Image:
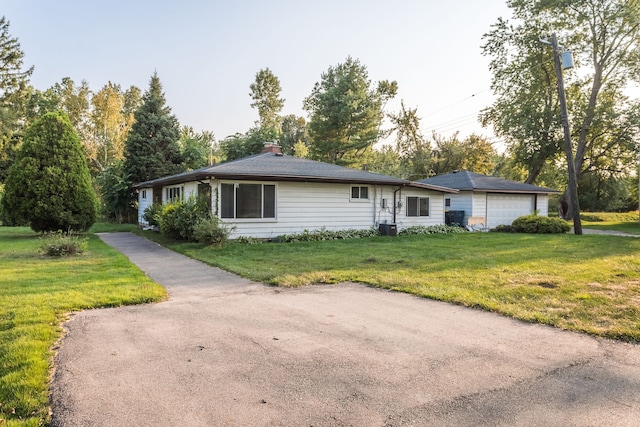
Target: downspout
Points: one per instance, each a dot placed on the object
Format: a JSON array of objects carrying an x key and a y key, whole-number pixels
[
  {"x": 375, "y": 204},
  {"x": 395, "y": 205}
]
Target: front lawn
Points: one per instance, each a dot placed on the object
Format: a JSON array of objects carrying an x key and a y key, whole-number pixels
[
  {"x": 588, "y": 283},
  {"x": 627, "y": 222},
  {"x": 36, "y": 294}
]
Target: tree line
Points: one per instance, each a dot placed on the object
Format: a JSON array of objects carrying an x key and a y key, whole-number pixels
[{"x": 128, "y": 136}]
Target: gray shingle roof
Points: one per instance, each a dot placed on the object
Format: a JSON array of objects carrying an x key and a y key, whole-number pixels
[
  {"x": 278, "y": 167},
  {"x": 469, "y": 181}
]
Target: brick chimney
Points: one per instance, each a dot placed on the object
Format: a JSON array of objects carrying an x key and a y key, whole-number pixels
[{"x": 272, "y": 147}]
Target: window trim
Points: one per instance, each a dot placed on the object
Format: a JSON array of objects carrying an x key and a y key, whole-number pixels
[
  {"x": 407, "y": 214},
  {"x": 359, "y": 199},
  {"x": 234, "y": 202},
  {"x": 144, "y": 194},
  {"x": 171, "y": 196}
]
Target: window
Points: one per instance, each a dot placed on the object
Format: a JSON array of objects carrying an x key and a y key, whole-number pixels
[
  {"x": 447, "y": 202},
  {"x": 247, "y": 201},
  {"x": 204, "y": 193},
  {"x": 417, "y": 206},
  {"x": 358, "y": 192},
  {"x": 144, "y": 194},
  {"x": 173, "y": 194}
]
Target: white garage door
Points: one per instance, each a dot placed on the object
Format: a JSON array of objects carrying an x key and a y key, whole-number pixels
[{"x": 504, "y": 208}]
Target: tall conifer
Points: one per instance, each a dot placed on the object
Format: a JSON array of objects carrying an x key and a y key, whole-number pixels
[{"x": 152, "y": 149}]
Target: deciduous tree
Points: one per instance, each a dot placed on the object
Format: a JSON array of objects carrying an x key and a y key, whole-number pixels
[
  {"x": 265, "y": 92},
  {"x": 242, "y": 145},
  {"x": 295, "y": 133},
  {"x": 198, "y": 148},
  {"x": 413, "y": 149},
  {"x": 605, "y": 38},
  {"x": 473, "y": 153},
  {"x": 111, "y": 121}
]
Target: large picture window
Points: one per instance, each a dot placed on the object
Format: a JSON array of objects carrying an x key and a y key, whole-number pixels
[
  {"x": 417, "y": 206},
  {"x": 247, "y": 201}
]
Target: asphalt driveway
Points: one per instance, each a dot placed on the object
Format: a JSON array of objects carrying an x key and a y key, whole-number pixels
[{"x": 224, "y": 351}]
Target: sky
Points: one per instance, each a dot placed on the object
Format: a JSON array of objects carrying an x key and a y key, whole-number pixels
[{"x": 207, "y": 53}]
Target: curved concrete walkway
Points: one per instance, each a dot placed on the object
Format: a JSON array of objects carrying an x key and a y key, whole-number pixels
[
  {"x": 224, "y": 351},
  {"x": 606, "y": 232}
]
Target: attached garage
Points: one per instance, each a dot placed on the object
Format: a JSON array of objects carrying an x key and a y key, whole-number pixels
[
  {"x": 490, "y": 201},
  {"x": 504, "y": 208}
]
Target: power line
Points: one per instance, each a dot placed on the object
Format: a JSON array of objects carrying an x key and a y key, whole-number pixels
[{"x": 433, "y": 113}]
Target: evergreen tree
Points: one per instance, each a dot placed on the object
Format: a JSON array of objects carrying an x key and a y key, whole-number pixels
[
  {"x": 49, "y": 185},
  {"x": 346, "y": 113},
  {"x": 152, "y": 149},
  {"x": 14, "y": 92}
]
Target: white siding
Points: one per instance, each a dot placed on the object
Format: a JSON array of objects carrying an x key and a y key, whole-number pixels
[
  {"x": 190, "y": 190},
  {"x": 543, "y": 204},
  {"x": 144, "y": 203},
  {"x": 479, "y": 204},
  {"x": 436, "y": 209},
  {"x": 312, "y": 206},
  {"x": 383, "y": 209},
  {"x": 460, "y": 202},
  {"x": 497, "y": 208},
  {"x": 309, "y": 206}
]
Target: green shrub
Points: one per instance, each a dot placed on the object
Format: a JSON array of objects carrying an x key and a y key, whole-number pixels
[
  {"x": 152, "y": 214},
  {"x": 503, "y": 228},
  {"x": 540, "y": 225},
  {"x": 212, "y": 231},
  {"x": 432, "y": 229},
  {"x": 49, "y": 184},
  {"x": 178, "y": 219},
  {"x": 62, "y": 244},
  {"x": 324, "y": 234},
  {"x": 591, "y": 217},
  {"x": 248, "y": 240}
]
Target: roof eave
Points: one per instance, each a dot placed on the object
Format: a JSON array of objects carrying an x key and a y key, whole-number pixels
[
  {"x": 162, "y": 182},
  {"x": 542, "y": 191},
  {"x": 433, "y": 187}
]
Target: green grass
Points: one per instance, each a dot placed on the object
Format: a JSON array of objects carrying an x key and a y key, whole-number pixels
[
  {"x": 582, "y": 283},
  {"x": 588, "y": 283},
  {"x": 36, "y": 294},
  {"x": 627, "y": 222}
]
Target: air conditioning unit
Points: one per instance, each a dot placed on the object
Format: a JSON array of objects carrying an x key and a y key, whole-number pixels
[{"x": 388, "y": 229}]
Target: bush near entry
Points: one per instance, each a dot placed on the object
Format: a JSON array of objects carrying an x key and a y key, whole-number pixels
[{"x": 539, "y": 225}]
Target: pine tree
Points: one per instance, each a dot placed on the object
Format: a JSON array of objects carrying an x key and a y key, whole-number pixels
[
  {"x": 152, "y": 149},
  {"x": 346, "y": 113},
  {"x": 49, "y": 185},
  {"x": 13, "y": 93}
]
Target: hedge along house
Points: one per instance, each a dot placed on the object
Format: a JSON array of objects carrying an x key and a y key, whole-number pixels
[
  {"x": 489, "y": 201},
  {"x": 270, "y": 194}
]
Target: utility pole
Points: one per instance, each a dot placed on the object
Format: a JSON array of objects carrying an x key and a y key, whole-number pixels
[{"x": 573, "y": 184}]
